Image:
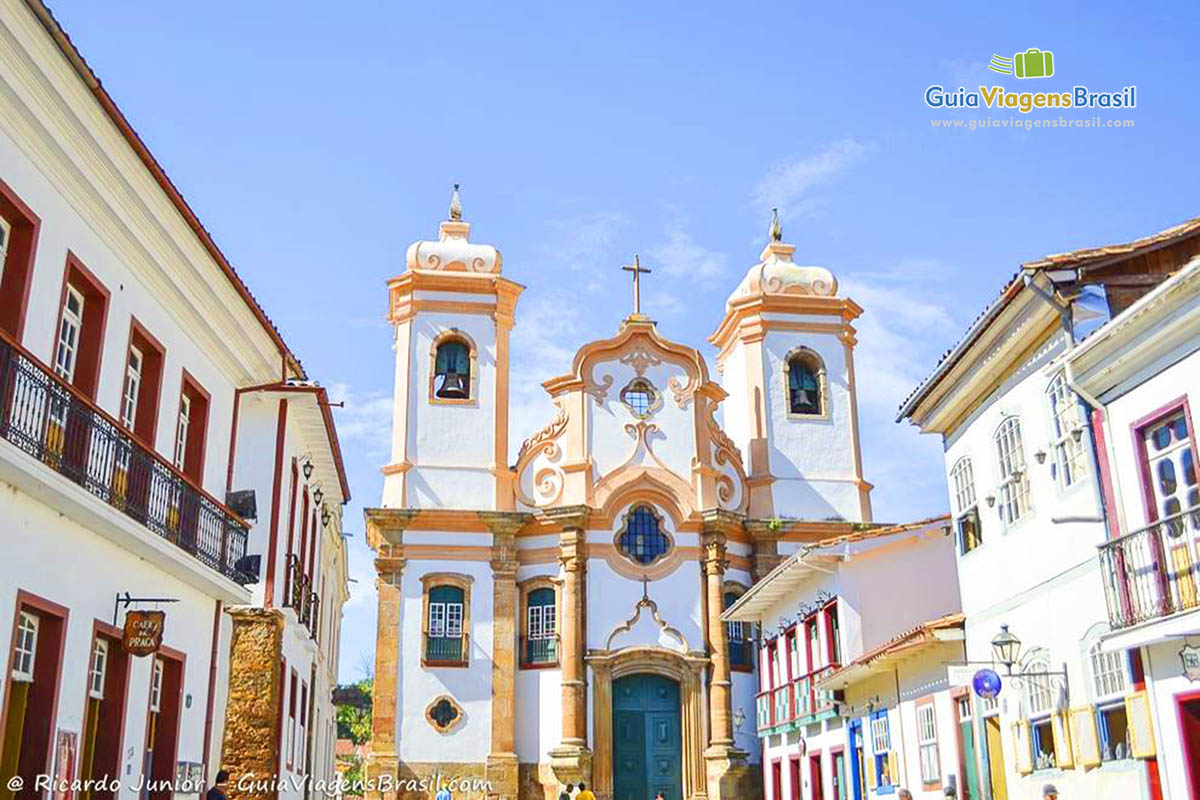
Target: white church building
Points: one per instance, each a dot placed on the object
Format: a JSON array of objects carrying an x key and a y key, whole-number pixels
[{"x": 558, "y": 619}]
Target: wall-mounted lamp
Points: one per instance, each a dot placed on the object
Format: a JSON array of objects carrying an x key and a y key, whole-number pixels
[
  {"x": 990, "y": 500},
  {"x": 1077, "y": 433},
  {"x": 307, "y": 469},
  {"x": 325, "y": 517},
  {"x": 1040, "y": 456},
  {"x": 1006, "y": 648},
  {"x": 318, "y": 496}
]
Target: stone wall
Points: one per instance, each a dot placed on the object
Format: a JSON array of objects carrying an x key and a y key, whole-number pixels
[
  {"x": 420, "y": 780},
  {"x": 251, "y": 744}
]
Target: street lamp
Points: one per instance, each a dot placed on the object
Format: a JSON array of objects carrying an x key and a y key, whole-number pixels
[
  {"x": 739, "y": 717},
  {"x": 1006, "y": 647},
  {"x": 307, "y": 469}
]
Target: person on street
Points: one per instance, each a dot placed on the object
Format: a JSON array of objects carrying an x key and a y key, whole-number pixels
[
  {"x": 217, "y": 791},
  {"x": 585, "y": 793}
]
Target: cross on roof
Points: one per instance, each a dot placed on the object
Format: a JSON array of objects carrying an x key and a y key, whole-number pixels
[{"x": 638, "y": 270}]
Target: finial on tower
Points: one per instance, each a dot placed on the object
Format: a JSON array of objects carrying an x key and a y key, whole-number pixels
[
  {"x": 455, "y": 206},
  {"x": 776, "y": 228}
]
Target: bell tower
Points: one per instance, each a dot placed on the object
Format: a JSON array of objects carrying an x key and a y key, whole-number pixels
[
  {"x": 452, "y": 313},
  {"x": 786, "y": 358}
]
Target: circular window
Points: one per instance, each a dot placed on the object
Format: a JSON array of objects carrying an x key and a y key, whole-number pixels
[
  {"x": 640, "y": 397},
  {"x": 642, "y": 538}
]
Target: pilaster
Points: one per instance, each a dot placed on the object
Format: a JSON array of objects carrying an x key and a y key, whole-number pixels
[
  {"x": 572, "y": 761},
  {"x": 252, "y": 715},
  {"x": 385, "y": 534},
  {"x": 501, "y": 767}
]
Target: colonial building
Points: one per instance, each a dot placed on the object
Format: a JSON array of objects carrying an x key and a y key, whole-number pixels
[
  {"x": 854, "y": 697},
  {"x": 170, "y": 479},
  {"x": 558, "y": 619},
  {"x": 1027, "y": 500},
  {"x": 1141, "y": 375}
]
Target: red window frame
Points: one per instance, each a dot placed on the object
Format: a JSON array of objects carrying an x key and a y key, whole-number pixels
[
  {"x": 197, "y": 432},
  {"x": 17, "y": 277},
  {"x": 291, "y": 731},
  {"x": 1138, "y": 430},
  {"x": 145, "y": 422},
  {"x": 829, "y": 614},
  {"x": 90, "y": 349}
]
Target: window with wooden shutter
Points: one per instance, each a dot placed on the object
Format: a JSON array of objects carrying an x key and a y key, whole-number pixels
[
  {"x": 1085, "y": 737},
  {"x": 1141, "y": 726},
  {"x": 1021, "y": 747}
]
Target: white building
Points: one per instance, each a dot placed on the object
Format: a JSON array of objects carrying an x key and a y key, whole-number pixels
[
  {"x": 144, "y": 395},
  {"x": 1029, "y": 515},
  {"x": 558, "y": 620},
  {"x": 1141, "y": 372},
  {"x": 854, "y": 696}
]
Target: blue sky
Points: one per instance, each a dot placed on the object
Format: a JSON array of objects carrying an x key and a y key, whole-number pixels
[{"x": 317, "y": 140}]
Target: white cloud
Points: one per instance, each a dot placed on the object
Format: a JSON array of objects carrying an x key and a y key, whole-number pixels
[
  {"x": 789, "y": 184},
  {"x": 581, "y": 242},
  {"x": 681, "y": 256},
  {"x": 365, "y": 420},
  {"x": 966, "y": 72}
]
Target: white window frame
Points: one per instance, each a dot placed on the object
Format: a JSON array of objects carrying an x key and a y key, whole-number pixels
[
  {"x": 542, "y": 622},
  {"x": 99, "y": 668},
  {"x": 966, "y": 709},
  {"x": 132, "y": 389},
  {"x": 156, "y": 686},
  {"x": 454, "y": 620},
  {"x": 25, "y": 647},
  {"x": 437, "y": 620},
  {"x": 1109, "y": 674},
  {"x": 881, "y": 735},
  {"x": 1067, "y": 429},
  {"x": 1013, "y": 499},
  {"x": 962, "y": 479},
  {"x": 1037, "y": 690},
  {"x": 66, "y": 350},
  {"x": 927, "y": 743},
  {"x": 181, "y": 430},
  {"x": 5, "y": 240}
]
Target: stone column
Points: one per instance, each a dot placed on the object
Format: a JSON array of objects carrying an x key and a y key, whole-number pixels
[
  {"x": 252, "y": 734},
  {"x": 765, "y": 536},
  {"x": 571, "y": 761},
  {"x": 725, "y": 765},
  {"x": 501, "y": 768},
  {"x": 720, "y": 696},
  {"x": 385, "y": 535}
]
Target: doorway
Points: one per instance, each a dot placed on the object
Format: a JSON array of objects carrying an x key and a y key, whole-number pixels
[
  {"x": 647, "y": 740},
  {"x": 995, "y": 757}
]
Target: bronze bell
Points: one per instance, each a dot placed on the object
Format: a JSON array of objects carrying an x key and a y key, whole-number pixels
[{"x": 454, "y": 387}]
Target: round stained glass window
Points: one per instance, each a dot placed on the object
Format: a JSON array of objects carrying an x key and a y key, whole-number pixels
[
  {"x": 640, "y": 397},
  {"x": 642, "y": 538}
]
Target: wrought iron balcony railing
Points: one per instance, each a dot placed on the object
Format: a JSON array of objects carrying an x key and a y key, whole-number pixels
[
  {"x": 52, "y": 421},
  {"x": 1153, "y": 572},
  {"x": 539, "y": 651},
  {"x": 300, "y": 596}
]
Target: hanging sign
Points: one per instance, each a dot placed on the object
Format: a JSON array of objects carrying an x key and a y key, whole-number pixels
[
  {"x": 143, "y": 632},
  {"x": 986, "y": 683},
  {"x": 1190, "y": 656}
]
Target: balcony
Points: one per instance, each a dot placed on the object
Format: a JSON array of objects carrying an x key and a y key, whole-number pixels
[
  {"x": 1154, "y": 572},
  {"x": 540, "y": 651},
  {"x": 51, "y": 421},
  {"x": 300, "y": 597}
]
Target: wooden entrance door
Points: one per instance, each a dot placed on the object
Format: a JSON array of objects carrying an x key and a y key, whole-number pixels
[
  {"x": 995, "y": 754},
  {"x": 647, "y": 740}
]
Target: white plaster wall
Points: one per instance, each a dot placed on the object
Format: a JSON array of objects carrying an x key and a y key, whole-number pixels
[
  {"x": 735, "y": 413},
  {"x": 611, "y": 445},
  {"x": 418, "y": 686},
  {"x": 812, "y": 460},
  {"x": 1055, "y": 619},
  {"x": 86, "y": 582},
  {"x": 1001, "y": 566},
  {"x": 1164, "y": 670},
  {"x": 63, "y": 229},
  {"x": 451, "y": 446}
]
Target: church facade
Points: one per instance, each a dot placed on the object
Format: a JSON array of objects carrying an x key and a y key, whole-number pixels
[{"x": 558, "y": 619}]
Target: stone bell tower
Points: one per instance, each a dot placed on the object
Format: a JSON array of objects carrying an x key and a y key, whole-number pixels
[
  {"x": 452, "y": 312},
  {"x": 786, "y": 357}
]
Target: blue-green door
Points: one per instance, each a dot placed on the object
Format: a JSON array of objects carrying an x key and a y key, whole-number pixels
[{"x": 647, "y": 744}]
